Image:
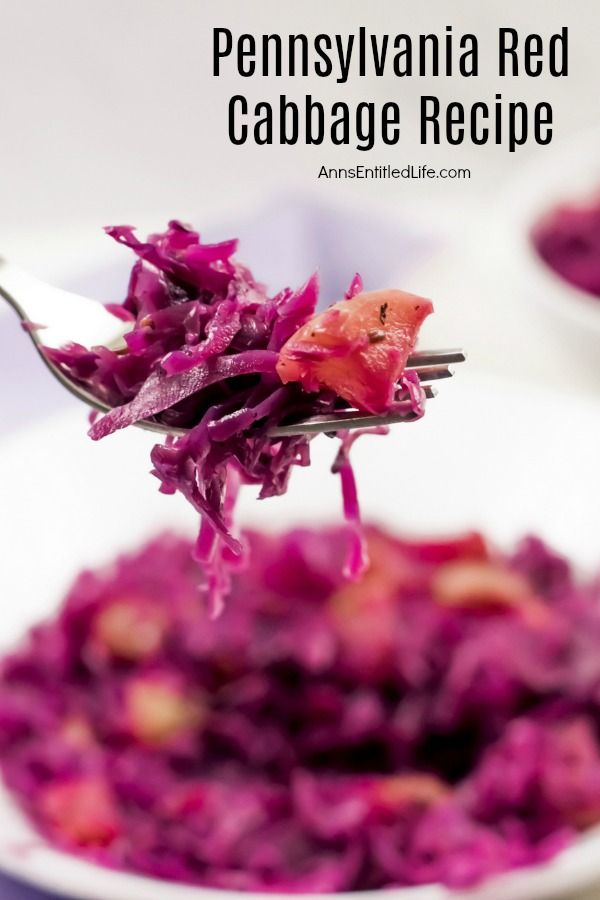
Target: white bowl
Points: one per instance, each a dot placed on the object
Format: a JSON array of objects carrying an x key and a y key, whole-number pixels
[
  {"x": 482, "y": 457},
  {"x": 571, "y": 172}
]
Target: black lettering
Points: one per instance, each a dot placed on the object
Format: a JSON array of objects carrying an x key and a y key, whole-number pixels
[
  {"x": 430, "y": 111},
  {"x": 509, "y": 39},
  {"x": 366, "y": 138},
  {"x": 340, "y": 127},
  {"x": 243, "y": 110},
  {"x": 286, "y": 107},
  {"x": 246, "y": 47},
  {"x": 559, "y": 41},
  {"x": 469, "y": 58},
  {"x": 303, "y": 41},
  {"x": 361, "y": 51},
  {"x": 263, "y": 128},
  {"x": 403, "y": 57},
  {"x": 379, "y": 57},
  {"x": 542, "y": 120},
  {"x": 479, "y": 135},
  {"x": 218, "y": 53},
  {"x": 498, "y": 118},
  {"x": 344, "y": 61},
  {"x": 313, "y": 106},
  {"x": 390, "y": 123},
  {"x": 448, "y": 49},
  {"x": 326, "y": 67},
  {"x": 274, "y": 39},
  {"x": 517, "y": 125},
  {"x": 455, "y": 116},
  {"x": 533, "y": 51},
  {"x": 424, "y": 41}
]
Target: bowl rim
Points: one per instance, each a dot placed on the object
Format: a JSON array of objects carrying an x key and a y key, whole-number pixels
[{"x": 29, "y": 857}]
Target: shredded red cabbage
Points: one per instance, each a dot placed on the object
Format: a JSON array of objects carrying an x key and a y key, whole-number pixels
[
  {"x": 437, "y": 721},
  {"x": 201, "y": 355}
]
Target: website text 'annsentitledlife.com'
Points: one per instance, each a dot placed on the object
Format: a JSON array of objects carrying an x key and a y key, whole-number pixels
[{"x": 381, "y": 172}]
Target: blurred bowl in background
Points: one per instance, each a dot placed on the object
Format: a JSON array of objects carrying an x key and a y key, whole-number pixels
[{"x": 571, "y": 174}]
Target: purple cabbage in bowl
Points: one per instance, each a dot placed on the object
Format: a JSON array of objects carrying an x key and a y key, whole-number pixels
[
  {"x": 568, "y": 240},
  {"x": 436, "y": 721}
]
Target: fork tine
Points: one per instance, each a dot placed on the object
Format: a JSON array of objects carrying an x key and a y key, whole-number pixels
[
  {"x": 345, "y": 419},
  {"x": 433, "y": 373},
  {"x": 435, "y": 358}
]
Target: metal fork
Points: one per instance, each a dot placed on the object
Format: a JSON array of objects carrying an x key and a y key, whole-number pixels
[{"x": 69, "y": 318}]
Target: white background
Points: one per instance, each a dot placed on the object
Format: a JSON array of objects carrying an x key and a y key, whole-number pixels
[
  {"x": 109, "y": 109},
  {"x": 109, "y": 113}
]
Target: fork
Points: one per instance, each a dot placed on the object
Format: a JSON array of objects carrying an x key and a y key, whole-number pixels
[{"x": 84, "y": 321}]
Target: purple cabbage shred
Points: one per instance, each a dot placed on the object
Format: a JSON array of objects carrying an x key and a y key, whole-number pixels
[{"x": 201, "y": 356}]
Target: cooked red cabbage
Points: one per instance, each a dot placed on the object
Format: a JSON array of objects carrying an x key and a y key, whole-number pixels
[
  {"x": 437, "y": 721},
  {"x": 568, "y": 239},
  {"x": 203, "y": 353}
]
